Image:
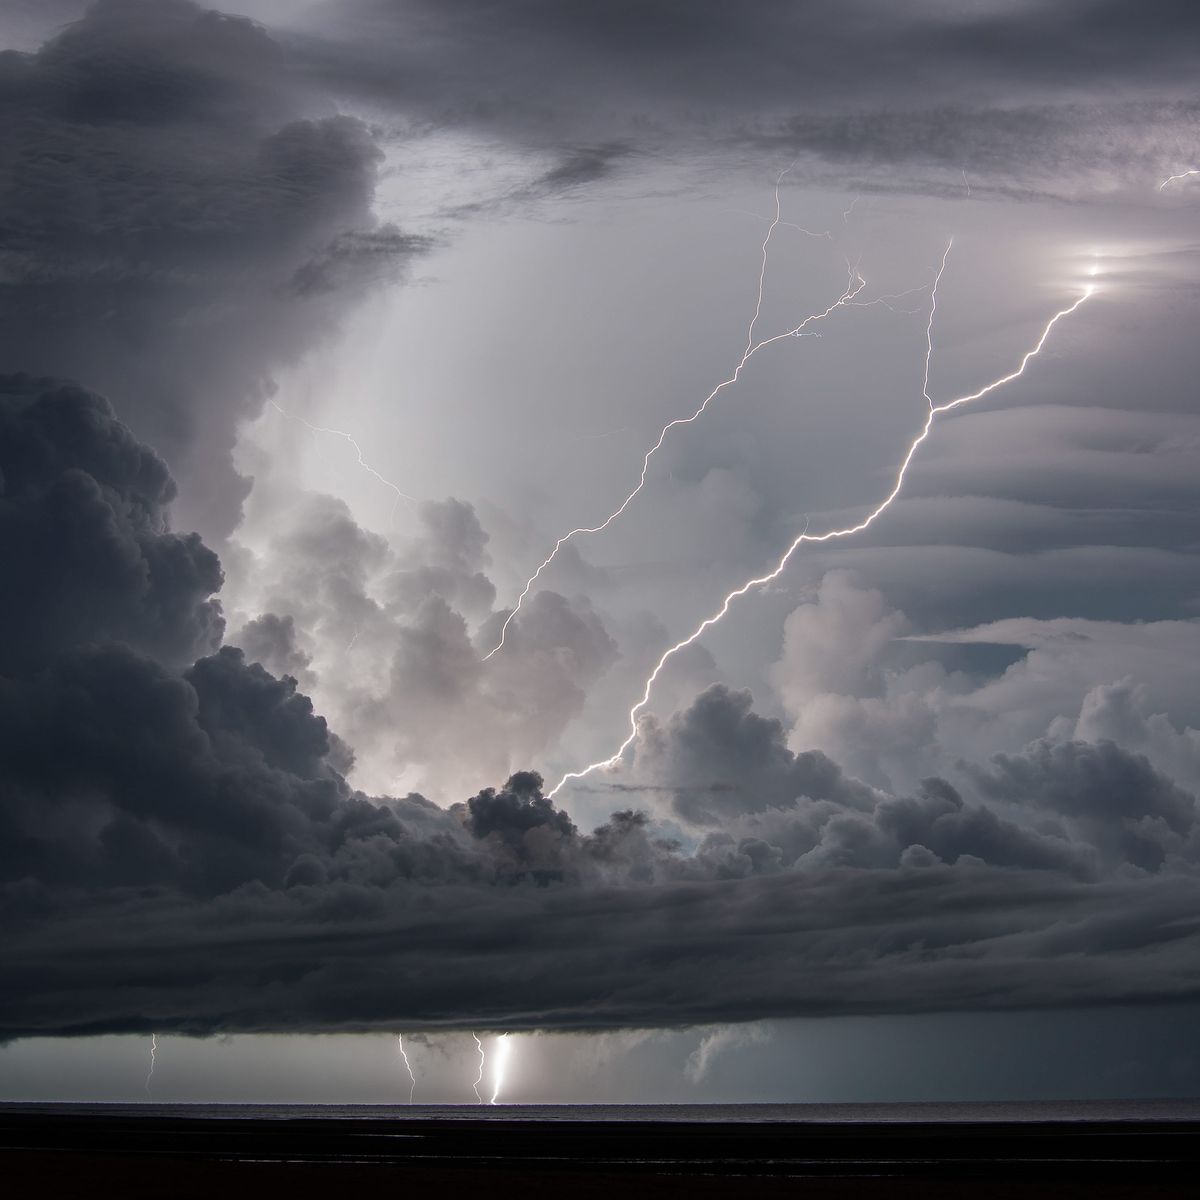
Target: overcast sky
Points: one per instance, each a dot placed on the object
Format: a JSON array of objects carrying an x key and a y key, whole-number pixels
[{"x": 322, "y": 323}]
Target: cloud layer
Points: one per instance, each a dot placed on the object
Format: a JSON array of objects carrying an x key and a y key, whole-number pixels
[
  {"x": 181, "y": 852},
  {"x": 924, "y": 803}
]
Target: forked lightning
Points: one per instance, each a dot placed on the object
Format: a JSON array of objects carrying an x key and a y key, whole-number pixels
[
  {"x": 854, "y": 286},
  {"x": 935, "y": 410}
]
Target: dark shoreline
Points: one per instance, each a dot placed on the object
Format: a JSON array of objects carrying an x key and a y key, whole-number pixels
[{"x": 65, "y": 1150}]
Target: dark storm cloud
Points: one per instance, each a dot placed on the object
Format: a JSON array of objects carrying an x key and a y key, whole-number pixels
[
  {"x": 720, "y": 738},
  {"x": 174, "y": 216},
  {"x": 853, "y": 83},
  {"x": 709, "y": 51},
  {"x": 326, "y": 956},
  {"x": 1125, "y": 806},
  {"x": 87, "y": 549},
  {"x": 179, "y": 847},
  {"x": 179, "y": 850},
  {"x": 585, "y": 164}
]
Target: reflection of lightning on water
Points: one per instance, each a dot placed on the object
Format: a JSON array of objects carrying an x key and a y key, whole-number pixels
[
  {"x": 362, "y": 462},
  {"x": 499, "y": 1061},
  {"x": 1176, "y": 178},
  {"x": 934, "y": 411},
  {"x": 854, "y": 286},
  {"x": 153, "y": 1051},
  {"x": 482, "y": 1061},
  {"x": 407, "y": 1066}
]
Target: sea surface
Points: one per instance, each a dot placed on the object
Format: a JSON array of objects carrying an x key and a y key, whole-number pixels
[
  {"x": 891, "y": 1113},
  {"x": 1079, "y": 1150}
]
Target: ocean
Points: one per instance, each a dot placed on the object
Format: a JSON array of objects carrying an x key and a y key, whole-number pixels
[
  {"x": 1020, "y": 1111},
  {"x": 1115, "y": 1150}
]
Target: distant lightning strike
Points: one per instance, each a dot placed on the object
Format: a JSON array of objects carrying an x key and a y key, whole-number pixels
[
  {"x": 362, "y": 462},
  {"x": 153, "y": 1052},
  {"x": 499, "y": 1064},
  {"x": 854, "y": 286},
  {"x": 935, "y": 410},
  {"x": 482, "y": 1064},
  {"x": 1176, "y": 178},
  {"x": 412, "y": 1091}
]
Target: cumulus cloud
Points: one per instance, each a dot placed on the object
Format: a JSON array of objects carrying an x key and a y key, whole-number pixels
[
  {"x": 393, "y": 636},
  {"x": 85, "y": 537},
  {"x": 901, "y": 705},
  {"x": 182, "y": 852}
]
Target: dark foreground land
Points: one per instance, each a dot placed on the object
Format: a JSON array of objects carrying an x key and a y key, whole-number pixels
[{"x": 74, "y": 1152}]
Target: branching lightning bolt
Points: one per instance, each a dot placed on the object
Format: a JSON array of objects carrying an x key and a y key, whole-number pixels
[
  {"x": 854, "y": 286},
  {"x": 935, "y": 410},
  {"x": 407, "y": 1066},
  {"x": 153, "y": 1052},
  {"x": 362, "y": 462},
  {"x": 1176, "y": 178},
  {"x": 482, "y": 1063}
]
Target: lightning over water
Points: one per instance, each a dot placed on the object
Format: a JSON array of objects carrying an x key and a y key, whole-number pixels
[
  {"x": 935, "y": 410},
  {"x": 153, "y": 1052},
  {"x": 407, "y": 1066},
  {"x": 482, "y": 1064},
  {"x": 502, "y": 1050}
]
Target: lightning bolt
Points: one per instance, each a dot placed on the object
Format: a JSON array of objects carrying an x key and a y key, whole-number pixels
[
  {"x": 482, "y": 1061},
  {"x": 854, "y": 286},
  {"x": 937, "y": 279},
  {"x": 1176, "y": 178},
  {"x": 362, "y": 462},
  {"x": 812, "y": 233},
  {"x": 407, "y": 1066},
  {"x": 153, "y": 1051},
  {"x": 499, "y": 1062},
  {"x": 935, "y": 410}
]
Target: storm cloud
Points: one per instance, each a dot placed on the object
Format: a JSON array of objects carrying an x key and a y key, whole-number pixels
[
  {"x": 259, "y": 772},
  {"x": 178, "y": 220},
  {"x": 182, "y": 854}
]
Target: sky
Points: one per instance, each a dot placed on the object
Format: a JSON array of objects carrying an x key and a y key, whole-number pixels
[{"x": 663, "y": 531}]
